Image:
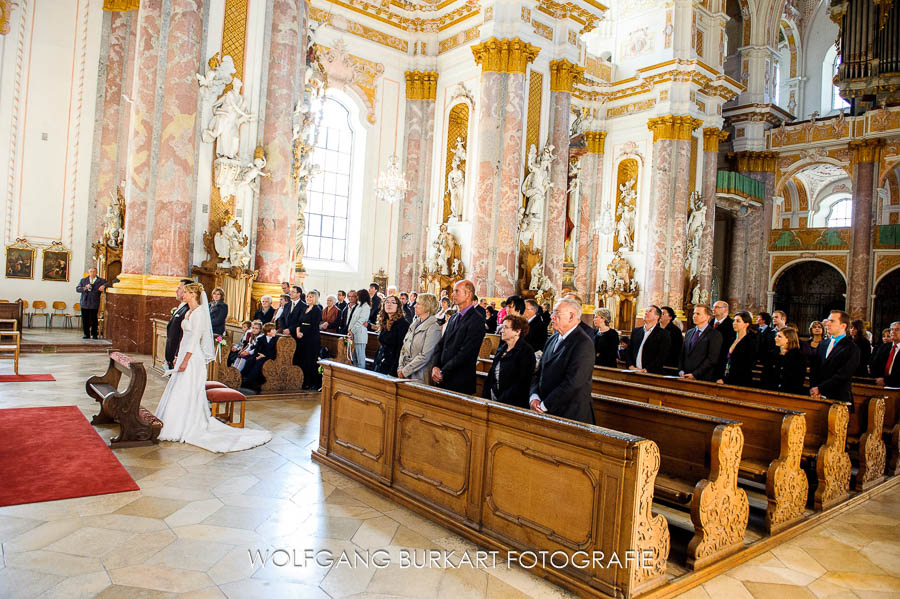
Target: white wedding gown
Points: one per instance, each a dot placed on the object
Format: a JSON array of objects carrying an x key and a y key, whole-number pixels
[{"x": 183, "y": 408}]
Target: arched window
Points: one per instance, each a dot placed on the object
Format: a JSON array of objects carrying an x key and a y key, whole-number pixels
[
  {"x": 840, "y": 213},
  {"x": 329, "y": 192},
  {"x": 831, "y": 97}
]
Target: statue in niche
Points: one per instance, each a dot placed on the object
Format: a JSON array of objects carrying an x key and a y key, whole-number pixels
[
  {"x": 456, "y": 180},
  {"x": 695, "y": 224},
  {"x": 229, "y": 113},
  {"x": 536, "y": 185},
  {"x": 231, "y": 246},
  {"x": 443, "y": 252},
  {"x": 577, "y": 127},
  {"x": 114, "y": 220},
  {"x": 573, "y": 194},
  {"x": 217, "y": 77},
  {"x": 625, "y": 215},
  {"x": 620, "y": 274}
]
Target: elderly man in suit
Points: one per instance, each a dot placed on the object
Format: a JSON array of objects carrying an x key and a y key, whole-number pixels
[
  {"x": 173, "y": 329},
  {"x": 701, "y": 348},
  {"x": 725, "y": 325},
  {"x": 90, "y": 288},
  {"x": 562, "y": 383},
  {"x": 457, "y": 351},
  {"x": 649, "y": 344},
  {"x": 884, "y": 363},
  {"x": 835, "y": 361}
]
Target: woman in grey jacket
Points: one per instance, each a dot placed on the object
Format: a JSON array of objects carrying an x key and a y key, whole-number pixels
[
  {"x": 421, "y": 340},
  {"x": 356, "y": 327}
]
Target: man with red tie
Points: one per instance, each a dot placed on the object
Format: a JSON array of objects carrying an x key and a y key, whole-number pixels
[{"x": 884, "y": 364}]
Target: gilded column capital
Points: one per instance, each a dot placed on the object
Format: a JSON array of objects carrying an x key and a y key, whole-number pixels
[
  {"x": 866, "y": 150},
  {"x": 711, "y": 138},
  {"x": 595, "y": 140},
  {"x": 563, "y": 75},
  {"x": 421, "y": 85},
  {"x": 504, "y": 56},
  {"x": 674, "y": 127},
  {"x": 755, "y": 162},
  {"x": 121, "y": 5}
]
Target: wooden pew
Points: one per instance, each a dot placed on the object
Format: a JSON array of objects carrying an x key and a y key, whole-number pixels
[
  {"x": 489, "y": 345},
  {"x": 137, "y": 426},
  {"x": 282, "y": 376},
  {"x": 493, "y": 474},
  {"x": 699, "y": 460},
  {"x": 891, "y": 432},
  {"x": 826, "y": 426},
  {"x": 773, "y": 442}
]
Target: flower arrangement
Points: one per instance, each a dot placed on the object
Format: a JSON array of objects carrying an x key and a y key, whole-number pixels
[
  {"x": 173, "y": 311},
  {"x": 220, "y": 340}
]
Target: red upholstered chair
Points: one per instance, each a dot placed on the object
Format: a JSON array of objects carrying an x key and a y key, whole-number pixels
[{"x": 223, "y": 397}]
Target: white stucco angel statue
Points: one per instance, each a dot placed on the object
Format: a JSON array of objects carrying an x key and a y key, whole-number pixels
[
  {"x": 695, "y": 224},
  {"x": 625, "y": 214},
  {"x": 537, "y": 184},
  {"x": 229, "y": 113},
  {"x": 216, "y": 78}
]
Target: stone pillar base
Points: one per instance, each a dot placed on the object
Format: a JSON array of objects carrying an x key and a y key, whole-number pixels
[{"x": 128, "y": 317}]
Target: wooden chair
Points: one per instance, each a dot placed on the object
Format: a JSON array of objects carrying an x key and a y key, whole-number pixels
[
  {"x": 59, "y": 309},
  {"x": 26, "y": 315},
  {"x": 75, "y": 313},
  {"x": 10, "y": 342},
  {"x": 40, "y": 309}
]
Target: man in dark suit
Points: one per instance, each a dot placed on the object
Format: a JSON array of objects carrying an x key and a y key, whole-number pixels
[
  {"x": 90, "y": 288},
  {"x": 291, "y": 318},
  {"x": 457, "y": 351},
  {"x": 884, "y": 363},
  {"x": 341, "y": 299},
  {"x": 408, "y": 312},
  {"x": 676, "y": 337},
  {"x": 376, "y": 306},
  {"x": 725, "y": 325},
  {"x": 835, "y": 362},
  {"x": 585, "y": 327},
  {"x": 649, "y": 344},
  {"x": 701, "y": 348},
  {"x": 562, "y": 383},
  {"x": 173, "y": 329},
  {"x": 537, "y": 332}
]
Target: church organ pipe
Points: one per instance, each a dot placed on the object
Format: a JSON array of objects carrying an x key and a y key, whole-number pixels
[{"x": 870, "y": 51}]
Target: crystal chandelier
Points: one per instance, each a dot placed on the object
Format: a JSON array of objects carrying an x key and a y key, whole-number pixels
[{"x": 391, "y": 185}]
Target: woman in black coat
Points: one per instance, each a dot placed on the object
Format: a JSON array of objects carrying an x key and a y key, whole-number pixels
[
  {"x": 741, "y": 354},
  {"x": 309, "y": 342},
  {"x": 218, "y": 311},
  {"x": 858, "y": 333},
  {"x": 266, "y": 312},
  {"x": 790, "y": 363},
  {"x": 606, "y": 340},
  {"x": 392, "y": 328},
  {"x": 509, "y": 380}
]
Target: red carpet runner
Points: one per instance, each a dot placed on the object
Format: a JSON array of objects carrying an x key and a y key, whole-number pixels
[
  {"x": 54, "y": 453},
  {"x": 25, "y": 378}
]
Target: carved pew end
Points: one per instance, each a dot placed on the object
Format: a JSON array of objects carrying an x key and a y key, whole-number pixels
[{"x": 137, "y": 426}]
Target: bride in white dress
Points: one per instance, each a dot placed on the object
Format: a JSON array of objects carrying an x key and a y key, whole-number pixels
[{"x": 183, "y": 408}]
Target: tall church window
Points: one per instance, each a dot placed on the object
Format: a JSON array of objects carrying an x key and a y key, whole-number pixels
[
  {"x": 831, "y": 97},
  {"x": 840, "y": 213},
  {"x": 328, "y": 204}
]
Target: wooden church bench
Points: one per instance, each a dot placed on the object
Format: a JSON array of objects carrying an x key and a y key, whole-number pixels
[
  {"x": 824, "y": 453},
  {"x": 699, "y": 460},
  {"x": 137, "y": 425},
  {"x": 891, "y": 426},
  {"x": 773, "y": 442},
  {"x": 505, "y": 478},
  {"x": 282, "y": 376}
]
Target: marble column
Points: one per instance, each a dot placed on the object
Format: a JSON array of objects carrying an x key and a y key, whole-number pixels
[
  {"x": 176, "y": 166},
  {"x": 759, "y": 166},
  {"x": 866, "y": 156},
  {"x": 588, "y": 239},
  {"x": 711, "y": 139},
  {"x": 110, "y": 153},
  {"x": 563, "y": 75},
  {"x": 666, "y": 276},
  {"x": 736, "y": 293},
  {"x": 500, "y": 127},
  {"x": 421, "y": 91},
  {"x": 277, "y": 210}
]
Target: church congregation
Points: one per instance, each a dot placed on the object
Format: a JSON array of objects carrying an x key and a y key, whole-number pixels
[{"x": 605, "y": 293}]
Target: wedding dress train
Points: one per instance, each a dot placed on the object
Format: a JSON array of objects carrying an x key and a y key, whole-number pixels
[{"x": 183, "y": 408}]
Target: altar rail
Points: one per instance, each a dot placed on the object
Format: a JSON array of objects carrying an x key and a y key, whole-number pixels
[{"x": 505, "y": 478}]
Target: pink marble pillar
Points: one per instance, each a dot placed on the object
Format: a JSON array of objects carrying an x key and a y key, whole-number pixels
[
  {"x": 710, "y": 166},
  {"x": 277, "y": 212},
  {"x": 419, "y": 138},
  {"x": 737, "y": 264},
  {"x": 661, "y": 185},
  {"x": 506, "y": 238},
  {"x": 176, "y": 177},
  {"x": 588, "y": 238},
  {"x": 756, "y": 247},
  {"x": 555, "y": 224},
  {"x": 135, "y": 254},
  {"x": 677, "y": 276},
  {"x": 118, "y": 40},
  {"x": 860, "y": 275},
  {"x": 487, "y": 182}
]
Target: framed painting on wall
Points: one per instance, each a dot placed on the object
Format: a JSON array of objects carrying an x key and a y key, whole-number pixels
[
  {"x": 55, "y": 262},
  {"x": 20, "y": 260}
]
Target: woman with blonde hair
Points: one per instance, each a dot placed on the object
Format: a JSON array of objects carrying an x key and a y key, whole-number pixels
[
  {"x": 183, "y": 407},
  {"x": 309, "y": 342},
  {"x": 606, "y": 339},
  {"x": 392, "y": 328},
  {"x": 417, "y": 353}
]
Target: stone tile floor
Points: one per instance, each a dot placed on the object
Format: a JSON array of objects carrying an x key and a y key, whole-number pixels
[{"x": 187, "y": 532}]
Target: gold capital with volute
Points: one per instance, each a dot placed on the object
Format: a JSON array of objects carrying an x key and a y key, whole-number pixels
[
  {"x": 563, "y": 75},
  {"x": 673, "y": 127},
  {"x": 594, "y": 141},
  {"x": 711, "y": 138},
  {"x": 421, "y": 85},
  {"x": 504, "y": 56}
]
